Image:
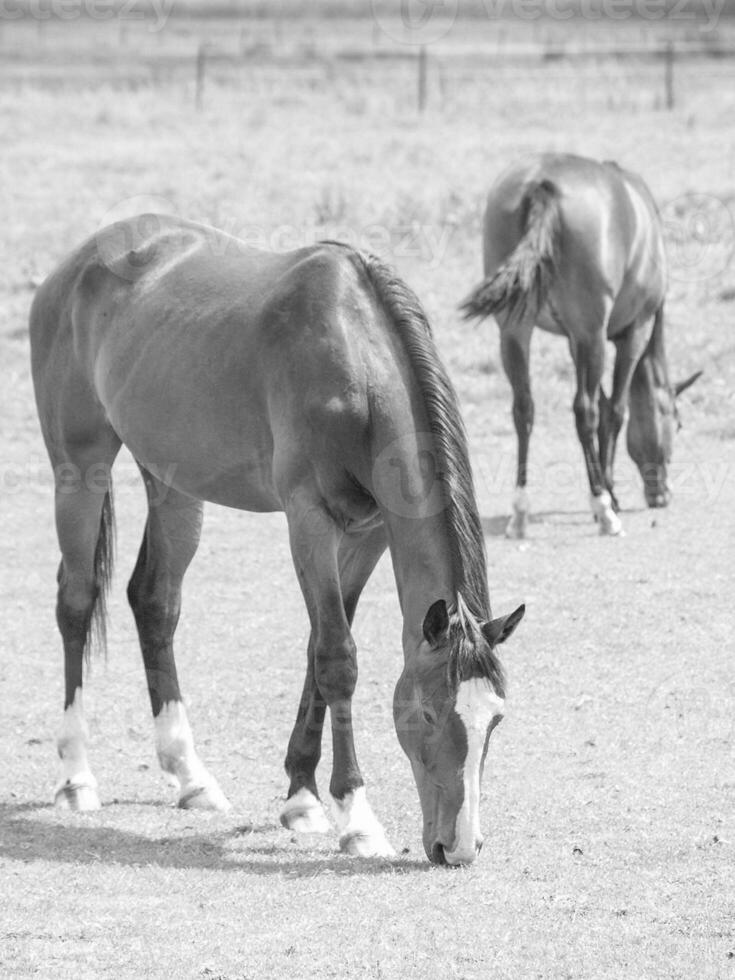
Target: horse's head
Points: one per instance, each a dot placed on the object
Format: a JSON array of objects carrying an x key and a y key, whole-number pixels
[
  {"x": 651, "y": 427},
  {"x": 447, "y": 701}
]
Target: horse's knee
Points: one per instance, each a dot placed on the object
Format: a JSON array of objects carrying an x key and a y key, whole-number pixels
[
  {"x": 615, "y": 418},
  {"x": 152, "y": 606},
  {"x": 336, "y": 671},
  {"x": 75, "y": 602},
  {"x": 586, "y": 416}
]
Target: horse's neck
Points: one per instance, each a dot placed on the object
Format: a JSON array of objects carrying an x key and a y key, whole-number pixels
[{"x": 422, "y": 565}]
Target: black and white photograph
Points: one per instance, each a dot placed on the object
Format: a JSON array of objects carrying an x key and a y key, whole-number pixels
[{"x": 367, "y": 380}]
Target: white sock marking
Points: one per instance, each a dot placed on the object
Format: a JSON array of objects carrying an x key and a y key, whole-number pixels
[
  {"x": 520, "y": 500},
  {"x": 606, "y": 517},
  {"x": 304, "y": 812},
  {"x": 354, "y": 818},
  {"x": 178, "y": 757},
  {"x": 476, "y": 704},
  {"x": 72, "y": 746},
  {"x": 518, "y": 522}
]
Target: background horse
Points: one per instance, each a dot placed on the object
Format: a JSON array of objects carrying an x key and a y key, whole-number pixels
[
  {"x": 306, "y": 382},
  {"x": 575, "y": 247}
]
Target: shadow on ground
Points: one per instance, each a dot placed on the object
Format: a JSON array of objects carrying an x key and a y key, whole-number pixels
[
  {"x": 26, "y": 834},
  {"x": 495, "y": 526}
]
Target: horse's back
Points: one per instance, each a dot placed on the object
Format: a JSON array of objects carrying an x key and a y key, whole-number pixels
[
  {"x": 234, "y": 367},
  {"x": 609, "y": 245}
]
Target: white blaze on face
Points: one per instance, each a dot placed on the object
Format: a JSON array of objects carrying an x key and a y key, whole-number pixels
[{"x": 476, "y": 704}]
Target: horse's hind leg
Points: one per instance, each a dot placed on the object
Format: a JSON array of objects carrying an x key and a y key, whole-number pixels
[
  {"x": 357, "y": 557},
  {"x": 607, "y": 435},
  {"x": 515, "y": 346},
  {"x": 169, "y": 543},
  {"x": 324, "y": 560},
  {"x": 589, "y": 360},
  {"x": 83, "y": 506}
]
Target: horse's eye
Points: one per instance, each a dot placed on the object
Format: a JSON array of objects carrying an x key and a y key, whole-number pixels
[{"x": 428, "y": 717}]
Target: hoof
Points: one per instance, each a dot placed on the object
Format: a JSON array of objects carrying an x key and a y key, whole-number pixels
[
  {"x": 516, "y": 526},
  {"x": 366, "y": 845},
  {"x": 208, "y": 797},
  {"x": 611, "y": 526},
  {"x": 360, "y": 833},
  {"x": 79, "y": 797},
  {"x": 608, "y": 522},
  {"x": 303, "y": 813}
]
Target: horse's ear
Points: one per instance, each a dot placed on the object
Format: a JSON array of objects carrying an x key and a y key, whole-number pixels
[
  {"x": 436, "y": 623},
  {"x": 498, "y": 630},
  {"x": 683, "y": 385}
]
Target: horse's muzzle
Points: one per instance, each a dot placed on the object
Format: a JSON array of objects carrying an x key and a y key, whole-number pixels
[{"x": 454, "y": 859}]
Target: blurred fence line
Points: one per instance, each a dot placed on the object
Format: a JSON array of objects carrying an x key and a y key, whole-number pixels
[{"x": 639, "y": 68}]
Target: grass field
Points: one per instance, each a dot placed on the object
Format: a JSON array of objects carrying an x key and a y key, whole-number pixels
[{"x": 610, "y": 790}]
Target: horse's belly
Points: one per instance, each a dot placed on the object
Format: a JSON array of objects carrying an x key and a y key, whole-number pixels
[
  {"x": 199, "y": 425},
  {"x": 241, "y": 480},
  {"x": 545, "y": 320},
  {"x": 219, "y": 456}
]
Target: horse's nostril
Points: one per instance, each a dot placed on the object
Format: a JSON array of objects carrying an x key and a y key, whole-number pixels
[
  {"x": 437, "y": 854},
  {"x": 479, "y": 845}
]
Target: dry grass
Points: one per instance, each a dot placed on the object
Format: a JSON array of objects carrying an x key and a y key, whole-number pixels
[{"x": 609, "y": 796}]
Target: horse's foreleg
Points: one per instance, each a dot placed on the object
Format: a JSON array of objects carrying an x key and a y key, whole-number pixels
[
  {"x": 332, "y": 569},
  {"x": 515, "y": 344},
  {"x": 169, "y": 543},
  {"x": 589, "y": 361},
  {"x": 303, "y": 811}
]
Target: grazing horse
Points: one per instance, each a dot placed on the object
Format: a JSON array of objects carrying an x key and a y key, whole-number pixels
[
  {"x": 576, "y": 247},
  {"x": 306, "y": 382}
]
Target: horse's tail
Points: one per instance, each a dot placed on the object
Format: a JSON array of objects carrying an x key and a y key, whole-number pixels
[
  {"x": 522, "y": 282},
  {"x": 104, "y": 554}
]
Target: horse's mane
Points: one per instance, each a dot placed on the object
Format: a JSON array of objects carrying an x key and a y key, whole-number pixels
[{"x": 469, "y": 653}]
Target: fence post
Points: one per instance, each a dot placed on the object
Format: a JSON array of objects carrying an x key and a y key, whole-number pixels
[
  {"x": 201, "y": 68},
  {"x": 669, "y": 74},
  {"x": 422, "y": 78}
]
